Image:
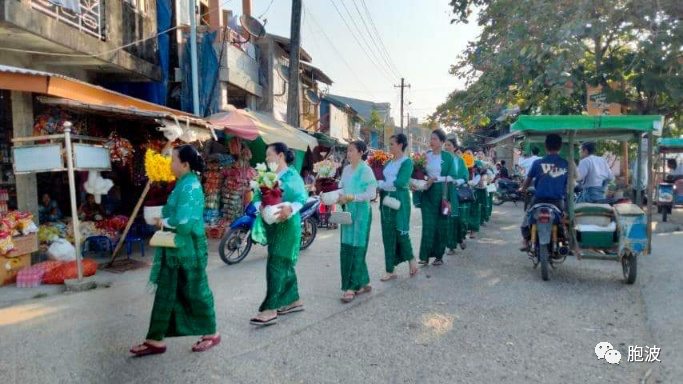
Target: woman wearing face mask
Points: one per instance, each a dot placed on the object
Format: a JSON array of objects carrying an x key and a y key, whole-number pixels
[
  {"x": 283, "y": 238},
  {"x": 439, "y": 196},
  {"x": 183, "y": 303},
  {"x": 457, "y": 226},
  {"x": 358, "y": 188},
  {"x": 396, "y": 223}
]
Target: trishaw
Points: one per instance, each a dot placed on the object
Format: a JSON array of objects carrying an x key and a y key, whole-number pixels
[
  {"x": 593, "y": 231},
  {"x": 670, "y": 189}
]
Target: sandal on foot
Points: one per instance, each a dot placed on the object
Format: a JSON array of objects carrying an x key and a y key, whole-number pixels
[
  {"x": 437, "y": 262},
  {"x": 414, "y": 272},
  {"x": 451, "y": 251},
  {"x": 348, "y": 297},
  {"x": 150, "y": 349},
  {"x": 260, "y": 322},
  {"x": 388, "y": 277},
  {"x": 206, "y": 343},
  {"x": 423, "y": 262},
  {"x": 290, "y": 309},
  {"x": 366, "y": 289},
  {"x": 463, "y": 246}
]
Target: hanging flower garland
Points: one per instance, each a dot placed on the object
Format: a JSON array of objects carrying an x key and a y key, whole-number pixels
[{"x": 120, "y": 149}]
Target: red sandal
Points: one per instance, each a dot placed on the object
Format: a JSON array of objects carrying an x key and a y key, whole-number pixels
[
  {"x": 201, "y": 346},
  {"x": 150, "y": 349}
]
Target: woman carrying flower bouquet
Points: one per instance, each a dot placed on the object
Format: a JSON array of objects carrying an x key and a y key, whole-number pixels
[
  {"x": 437, "y": 202},
  {"x": 283, "y": 238},
  {"x": 474, "y": 218},
  {"x": 396, "y": 223},
  {"x": 358, "y": 188},
  {"x": 457, "y": 226},
  {"x": 183, "y": 302}
]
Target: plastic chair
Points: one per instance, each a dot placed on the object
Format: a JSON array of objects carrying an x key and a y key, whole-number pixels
[
  {"x": 98, "y": 244},
  {"x": 136, "y": 235}
]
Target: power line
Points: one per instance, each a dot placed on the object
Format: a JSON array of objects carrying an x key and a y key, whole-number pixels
[
  {"x": 267, "y": 9},
  {"x": 376, "y": 60},
  {"x": 379, "y": 36},
  {"x": 341, "y": 57},
  {"x": 367, "y": 28},
  {"x": 111, "y": 50}
]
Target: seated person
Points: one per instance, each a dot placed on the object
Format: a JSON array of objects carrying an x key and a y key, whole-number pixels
[
  {"x": 90, "y": 210},
  {"x": 675, "y": 171},
  {"x": 48, "y": 210}
]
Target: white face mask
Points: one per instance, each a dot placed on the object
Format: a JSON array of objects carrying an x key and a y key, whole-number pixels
[{"x": 272, "y": 166}]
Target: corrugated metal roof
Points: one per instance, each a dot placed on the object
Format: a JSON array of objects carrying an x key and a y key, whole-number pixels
[{"x": 26, "y": 71}]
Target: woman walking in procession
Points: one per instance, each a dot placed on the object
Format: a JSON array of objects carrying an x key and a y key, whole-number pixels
[
  {"x": 358, "y": 188},
  {"x": 457, "y": 225},
  {"x": 183, "y": 303},
  {"x": 396, "y": 222},
  {"x": 283, "y": 238},
  {"x": 474, "y": 214},
  {"x": 437, "y": 202}
]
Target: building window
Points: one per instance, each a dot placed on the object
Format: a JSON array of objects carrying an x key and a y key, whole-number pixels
[{"x": 138, "y": 5}]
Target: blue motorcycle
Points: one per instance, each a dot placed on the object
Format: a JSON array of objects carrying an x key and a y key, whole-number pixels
[{"x": 236, "y": 243}]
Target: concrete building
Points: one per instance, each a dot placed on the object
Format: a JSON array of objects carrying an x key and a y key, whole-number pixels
[
  {"x": 364, "y": 108},
  {"x": 339, "y": 120}
]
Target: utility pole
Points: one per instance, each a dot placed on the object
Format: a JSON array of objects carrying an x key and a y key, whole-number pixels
[
  {"x": 402, "y": 86},
  {"x": 295, "y": 46},
  {"x": 193, "y": 57}
]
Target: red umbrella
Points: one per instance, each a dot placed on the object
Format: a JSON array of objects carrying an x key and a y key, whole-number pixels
[{"x": 237, "y": 123}]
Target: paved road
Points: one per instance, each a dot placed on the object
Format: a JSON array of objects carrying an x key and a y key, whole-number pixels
[{"x": 485, "y": 316}]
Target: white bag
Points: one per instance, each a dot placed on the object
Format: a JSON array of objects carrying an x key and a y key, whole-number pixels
[
  {"x": 341, "y": 218},
  {"x": 271, "y": 213},
  {"x": 418, "y": 184},
  {"x": 330, "y": 198},
  {"x": 61, "y": 250},
  {"x": 491, "y": 188},
  {"x": 392, "y": 203}
]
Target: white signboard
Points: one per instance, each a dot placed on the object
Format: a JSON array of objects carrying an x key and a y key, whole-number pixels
[
  {"x": 38, "y": 158},
  {"x": 91, "y": 157}
]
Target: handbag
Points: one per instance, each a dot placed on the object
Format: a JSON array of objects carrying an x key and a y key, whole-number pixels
[
  {"x": 465, "y": 194},
  {"x": 445, "y": 204},
  {"x": 163, "y": 239},
  {"x": 391, "y": 202},
  {"x": 343, "y": 218}
]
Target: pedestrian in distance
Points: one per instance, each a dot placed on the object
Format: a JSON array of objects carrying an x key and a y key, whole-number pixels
[
  {"x": 358, "y": 188},
  {"x": 183, "y": 302},
  {"x": 396, "y": 222},
  {"x": 283, "y": 238},
  {"x": 457, "y": 226}
]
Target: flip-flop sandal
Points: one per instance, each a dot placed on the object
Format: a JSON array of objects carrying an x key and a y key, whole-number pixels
[
  {"x": 366, "y": 289},
  {"x": 150, "y": 349},
  {"x": 292, "y": 309},
  {"x": 451, "y": 251},
  {"x": 423, "y": 262},
  {"x": 263, "y": 323},
  {"x": 348, "y": 297},
  {"x": 437, "y": 262},
  {"x": 387, "y": 278},
  {"x": 200, "y": 347}
]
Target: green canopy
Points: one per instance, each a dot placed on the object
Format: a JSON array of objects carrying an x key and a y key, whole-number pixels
[
  {"x": 587, "y": 127},
  {"x": 670, "y": 144},
  {"x": 327, "y": 141}
]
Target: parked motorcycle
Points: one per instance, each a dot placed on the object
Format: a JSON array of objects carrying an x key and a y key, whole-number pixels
[
  {"x": 507, "y": 190},
  {"x": 236, "y": 243},
  {"x": 548, "y": 245}
]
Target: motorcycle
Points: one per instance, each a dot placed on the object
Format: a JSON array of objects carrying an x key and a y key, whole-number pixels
[
  {"x": 236, "y": 243},
  {"x": 507, "y": 190},
  {"x": 548, "y": 245}
]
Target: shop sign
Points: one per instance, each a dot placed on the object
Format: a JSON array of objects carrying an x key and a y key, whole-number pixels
[
  {"x": 38, "y": 158},
  {"x": 91, "y": 157}
]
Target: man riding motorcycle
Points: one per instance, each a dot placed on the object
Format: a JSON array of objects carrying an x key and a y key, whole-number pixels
[{"x": 550, "y": 176}]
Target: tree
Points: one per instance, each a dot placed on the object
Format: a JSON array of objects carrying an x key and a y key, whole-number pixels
[
  {"x": 541, "y": 55},
  {"x": 375, "y": 123}
]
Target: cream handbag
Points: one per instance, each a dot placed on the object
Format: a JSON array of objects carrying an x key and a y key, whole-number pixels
[
  {"x": 163, "y": 239},
  {"x": 341, "y": 218},
  {"x": 392, "y": 203}
]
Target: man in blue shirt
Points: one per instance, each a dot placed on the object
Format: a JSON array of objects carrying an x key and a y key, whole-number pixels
[{"x": 550, "y": 175}]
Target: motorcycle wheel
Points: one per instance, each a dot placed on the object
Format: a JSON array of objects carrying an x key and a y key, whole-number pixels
[
  {"x": 235, "y": 245},
  {"x": 629, "y": 265},
  {"x": 309, "y": 229},
  {"x": 497, "y": 200},
  {"x": 543, "y": 258}
]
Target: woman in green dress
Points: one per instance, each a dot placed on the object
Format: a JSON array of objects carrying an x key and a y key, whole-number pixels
[
  {"x": 438, "y": 195},
  {"x": 283, "y": 238},
  {"x": 396, "y": 223},
  {"x": 457, "y": 226},
  {"x": 474, "y": 217},
  {"x": 183, "y": 302},
  {"x": 359, "y": 187}
]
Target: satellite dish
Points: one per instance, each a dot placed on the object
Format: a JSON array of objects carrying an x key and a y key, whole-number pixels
[
  {"x": 283, "y": 71},
  {"x": 252, "y": 26},
  {"x": 312, "y": 97}
]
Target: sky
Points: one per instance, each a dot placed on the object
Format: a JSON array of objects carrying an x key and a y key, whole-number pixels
[{"x": 420, "y": 42}]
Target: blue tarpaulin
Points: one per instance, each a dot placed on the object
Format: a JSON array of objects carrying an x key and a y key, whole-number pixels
[{"x": 208, "y": 72}]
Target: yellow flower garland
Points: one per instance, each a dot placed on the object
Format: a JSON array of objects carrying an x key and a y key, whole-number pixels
[{"x": 158, "y": 167}]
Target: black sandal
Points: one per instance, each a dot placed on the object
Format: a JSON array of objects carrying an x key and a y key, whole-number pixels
[
  {"x": 423, "y": 262},
  {"x": 261, "y": 322},
  {"x": 437, "y": 262}
]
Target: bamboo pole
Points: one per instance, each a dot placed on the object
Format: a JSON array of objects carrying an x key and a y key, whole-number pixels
[
  {"x": 650, "y": 187},
  {"x": 570, "y": 197}
]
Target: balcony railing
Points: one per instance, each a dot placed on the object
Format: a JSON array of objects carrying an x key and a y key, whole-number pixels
[{"x": 88, "y": 21}]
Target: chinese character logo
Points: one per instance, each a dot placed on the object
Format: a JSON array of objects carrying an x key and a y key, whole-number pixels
[
  {"x": 605, "y": 350},
  {"x": 648, "y": 355}
]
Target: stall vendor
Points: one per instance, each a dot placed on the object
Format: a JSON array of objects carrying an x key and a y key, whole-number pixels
[
  {"x": 48, "y": 209},
  {"x": 90, "y": 210}
]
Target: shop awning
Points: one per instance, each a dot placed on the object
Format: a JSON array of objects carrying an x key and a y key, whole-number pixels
[
  {"x": 270, "y": 130},
  {"x": 52, "y": 84},
  {"x": 237, "y": 124},
  {"x": 587, "y": 127},
  {"x": 503, "y": 138}
]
